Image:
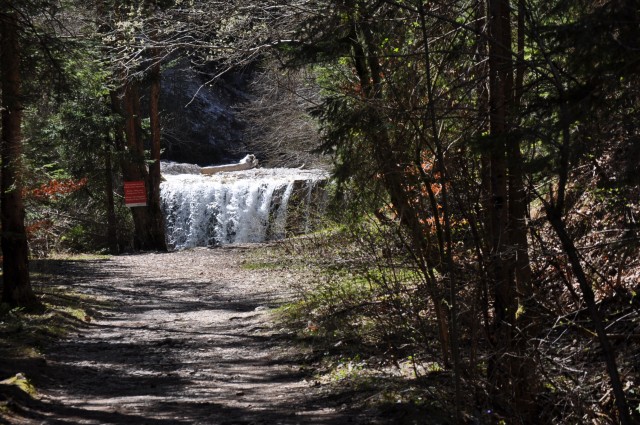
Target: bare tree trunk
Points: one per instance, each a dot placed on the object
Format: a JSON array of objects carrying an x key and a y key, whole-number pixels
[
  {"x": 484, "y": 243},
  {"x": 517, "y": 194},
  {"x": 102, "y": 8},
  {"x": 500, "y": 86},
  {"x": 133, "y": 163},
  {"x": 525, "y": 383},
  {"x": 112, "y": 236},
  {"x": 16, "y": 281},
  {"x": 559, "y": 227},
  {"x": 554, "y": 210},
  {"x": 156, "y": 219},
  {"x": 155, "y": 212},
  {"x": 510, "y": 372},
  {"x": 146, "y": 236}
]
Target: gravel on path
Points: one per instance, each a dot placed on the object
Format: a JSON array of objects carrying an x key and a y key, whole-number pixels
[{"x": 188, "y": 338}]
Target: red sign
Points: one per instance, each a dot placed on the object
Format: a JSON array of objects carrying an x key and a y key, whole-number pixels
[{"x": 135, "y": 194}]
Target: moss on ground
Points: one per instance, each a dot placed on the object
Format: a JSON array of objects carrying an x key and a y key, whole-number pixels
[{"x": 24, "y": 336}]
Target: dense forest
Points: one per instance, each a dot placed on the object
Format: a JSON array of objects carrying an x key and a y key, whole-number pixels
[{"x": 485, "y": 193}]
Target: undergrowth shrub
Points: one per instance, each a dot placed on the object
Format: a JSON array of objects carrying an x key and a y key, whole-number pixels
[{"x": 364, "y": 297}]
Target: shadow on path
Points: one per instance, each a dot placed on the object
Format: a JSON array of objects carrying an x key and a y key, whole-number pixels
[{"x": 180, "y": 338}]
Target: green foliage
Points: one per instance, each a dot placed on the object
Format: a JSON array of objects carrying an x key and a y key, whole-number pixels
[
  {"x": 75, "y": 238},
  {"x": 66, "y": 141},
  {"x": 404, "y": 104},
  {"x": 358, "y": 302},
  {"x": 22, "y": 382}
]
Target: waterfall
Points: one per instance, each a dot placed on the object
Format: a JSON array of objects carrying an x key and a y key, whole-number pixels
[{"x": 234, "y": 207}]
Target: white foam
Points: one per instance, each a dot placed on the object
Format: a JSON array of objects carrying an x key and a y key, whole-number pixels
[{"x": 232, "y": 207}]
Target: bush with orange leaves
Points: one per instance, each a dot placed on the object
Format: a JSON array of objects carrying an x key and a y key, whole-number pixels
[
  {"x": 43, "y": 227},
  {"x": 55, "y": 188}
]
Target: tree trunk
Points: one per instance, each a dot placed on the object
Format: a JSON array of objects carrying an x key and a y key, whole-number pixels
[
  {"x": 112, "y": 236},
  {"x": 484, "y": 243},
  {"x": 155, "y": 212},
  {"x": 517, "y": 194},
  {"x": 146, "y": 236},
  {"x": 554, "y": 217},
  {"x": 500, "y": 86},
  {"x": 554, "y": 210},
  {"x": 16, "y": 282},
  {"x": 510, "y": 373}
]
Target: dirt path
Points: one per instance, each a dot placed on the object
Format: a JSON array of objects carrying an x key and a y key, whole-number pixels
[{"x": 187, "y": 339}]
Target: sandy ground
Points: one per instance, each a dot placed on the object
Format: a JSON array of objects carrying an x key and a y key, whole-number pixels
[{"x": 186, "y": 338}]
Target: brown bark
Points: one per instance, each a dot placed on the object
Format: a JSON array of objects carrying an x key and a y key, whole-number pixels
[
  {"x": 517, "y": 193},
  {"x": 112, "y": 237},
  {"x": 511, "y": 373},
  {"x": 500, "y": 86},
  {"x": 155, "y": 212},
  {"x": 16, "y": 282},
  {"x": 554, "y": 211},
  {"x": 146, "y": 235},
  {"x": 608, "y": 353},
  {"x": 484, "y": 244},
  {"x": 520, "y": 66}
]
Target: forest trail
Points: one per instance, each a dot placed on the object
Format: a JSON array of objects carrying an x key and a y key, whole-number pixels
[{"x": 185, "y": 338}]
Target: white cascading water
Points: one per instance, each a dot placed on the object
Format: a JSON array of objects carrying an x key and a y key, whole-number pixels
[{"x": 231, "y": 207}]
